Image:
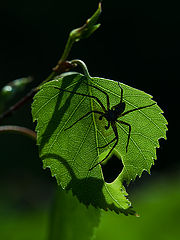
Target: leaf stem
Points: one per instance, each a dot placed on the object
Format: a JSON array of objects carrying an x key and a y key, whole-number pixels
[
  {"x": 77, "y": 34},
  {"x": 67, "y": 48},
  {"x": 82, "y": 65},
  {"x": 62, "y": 66},
  {"x": 20, "y": 130}
]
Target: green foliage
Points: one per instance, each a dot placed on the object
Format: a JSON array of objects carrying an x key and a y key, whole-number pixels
[
  {"x": 88, "y": 28},
  {"x": 70, "y": 154},
  {"x": 158, "y": 204},
  {"x": 157, "y": 201},
  {"x": 12, "y": 89},
  {"x": 80, "y": 33},
  {"x": 71, "y": 220}
]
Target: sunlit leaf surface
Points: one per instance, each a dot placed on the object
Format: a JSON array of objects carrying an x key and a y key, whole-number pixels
[{"x": 71, "y": 153}]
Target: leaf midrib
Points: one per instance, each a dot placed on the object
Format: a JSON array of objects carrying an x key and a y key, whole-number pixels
[{"x": 95, "y": 126}]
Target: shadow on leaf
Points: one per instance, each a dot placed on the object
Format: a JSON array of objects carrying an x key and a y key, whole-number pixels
[
  {"x": 53, "y": 123},
  {"x": 87, "y": 190}
]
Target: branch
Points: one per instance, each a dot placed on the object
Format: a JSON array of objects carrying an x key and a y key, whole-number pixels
[
  {"x": 19, "y": 104},
  {"x": 20, "y": 130},
  {"x": 77, "y": 34},
  {"x": 63, "y": 65}
]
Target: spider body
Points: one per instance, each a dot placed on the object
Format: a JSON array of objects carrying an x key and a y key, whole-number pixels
[
  {"x": 112, "y": 116},
  {"x": 114, "y": 113}
]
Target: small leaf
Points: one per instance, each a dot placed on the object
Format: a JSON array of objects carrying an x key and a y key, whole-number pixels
[
  {"x": 14, "y": 87},
  {"x": 88, "y": 28},
  {"x": 71, "y": 153},
  {"x": 9, "y": 91}
]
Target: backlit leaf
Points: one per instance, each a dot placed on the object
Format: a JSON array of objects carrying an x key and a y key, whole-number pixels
[{"x": 71, "y": 153}]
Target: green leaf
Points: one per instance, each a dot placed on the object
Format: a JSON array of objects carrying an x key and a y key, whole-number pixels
[
  {"x": 70, "y": 154},
  {"x": 88, "y": 28},
  {"x": 71, "y": 220},
  {"x": 12, "y": 89}
]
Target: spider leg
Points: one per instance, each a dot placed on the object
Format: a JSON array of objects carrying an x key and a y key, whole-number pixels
[
  {"x": 108, "y": 143},
  {"x": 122, "y": 104},
  {"x": 114, "y": 127},
  {"x": 127, "y": 124},
  {"x": 86, "y": 95},
  {"x": 82, "y": 118},
  {"x": 135, "y": 109},
  {"x": 107, "y": 96}
]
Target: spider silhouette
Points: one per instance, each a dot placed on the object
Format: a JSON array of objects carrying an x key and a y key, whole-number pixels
[{"x": 111, "y": 114}]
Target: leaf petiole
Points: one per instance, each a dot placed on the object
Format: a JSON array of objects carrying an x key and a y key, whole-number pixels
[{"x": 82, "y": 65}]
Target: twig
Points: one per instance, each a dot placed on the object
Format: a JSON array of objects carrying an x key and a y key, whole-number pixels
[
  {"x": 66, "y": 66},
  {"x": 62, "y": 66},
  {"x": 76, "y": 35},
  {"x": 19, "y": 104},
  {"x": 20, "y": 130}
]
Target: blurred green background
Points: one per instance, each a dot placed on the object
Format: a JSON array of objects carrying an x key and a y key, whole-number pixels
[
  {"x": 156, "y": 201},
  {"x": 138, "y": 44}
]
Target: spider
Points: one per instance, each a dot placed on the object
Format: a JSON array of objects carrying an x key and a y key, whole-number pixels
[{"x": 111, "y": 114}]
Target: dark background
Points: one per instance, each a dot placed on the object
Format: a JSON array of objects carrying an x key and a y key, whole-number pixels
[{"x": 137, "y": 44}]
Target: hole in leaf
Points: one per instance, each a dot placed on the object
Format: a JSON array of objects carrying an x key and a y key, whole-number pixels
[{"x": 112, "y": 168}]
